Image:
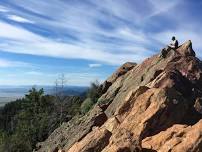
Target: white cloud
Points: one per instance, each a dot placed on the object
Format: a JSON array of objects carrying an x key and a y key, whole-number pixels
[
  {"x": 3, "y": 9},
  {"x": 125, "y": 41},
  {"x": 133, "y": 35},
  {"x": 23, "y": 41},
  {"x": 110, "y": 32},
  {"x": 17, "y": 34},
  {"x": 94, "y": 65},
  {"x": 19, "y": 19},
  {"x": 160, "y": 6},
  {"x": 83, "y": 25},
  {"x": 5, "y": 63},
  {"x": 9, "y": 63},
  {"x": 36, "y": 73}
]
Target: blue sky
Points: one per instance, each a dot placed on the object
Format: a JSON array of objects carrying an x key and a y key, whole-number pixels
[{"x": 88, "y": 39}]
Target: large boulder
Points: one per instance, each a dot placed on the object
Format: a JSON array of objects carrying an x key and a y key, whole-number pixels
[
  {"x": 118, "y": 73},
  {"x": 95, "y": 141},
  {"x": 186, "y": 49},
  {"x": 178, "y": 138}
]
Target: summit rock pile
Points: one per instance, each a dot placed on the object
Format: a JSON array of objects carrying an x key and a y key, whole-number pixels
[{"x": 155, "y": 106}]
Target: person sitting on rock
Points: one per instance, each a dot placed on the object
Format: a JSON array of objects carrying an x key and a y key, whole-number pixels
[{"x": 173, "y": 45}]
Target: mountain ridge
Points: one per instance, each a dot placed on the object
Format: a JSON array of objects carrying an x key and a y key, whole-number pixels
[{"x": 152, "y": 106}]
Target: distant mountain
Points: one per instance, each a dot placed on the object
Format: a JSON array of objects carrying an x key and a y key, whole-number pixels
[{"x": 11, "y": 93}]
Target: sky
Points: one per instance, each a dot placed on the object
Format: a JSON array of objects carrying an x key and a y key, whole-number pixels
[{"x": 87, "y": 40}]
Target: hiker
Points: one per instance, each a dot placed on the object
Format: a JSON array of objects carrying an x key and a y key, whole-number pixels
[{"x": 173, "y": 45}]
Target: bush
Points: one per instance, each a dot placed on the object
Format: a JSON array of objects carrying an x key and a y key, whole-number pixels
[
  {"x": 86, "y": 105},
  {"x": 92, "y": 96},
  {"x": 101, "y": 102},
  {"x": 94, "y": 92}
]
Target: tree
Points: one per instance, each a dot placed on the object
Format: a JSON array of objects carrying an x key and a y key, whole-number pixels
[
  {"x": 34, "y": 97},
  {"x": 60, "y": 93}
]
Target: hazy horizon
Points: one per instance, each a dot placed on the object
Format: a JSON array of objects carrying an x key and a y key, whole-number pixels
[{"x": 11, "y": 93}]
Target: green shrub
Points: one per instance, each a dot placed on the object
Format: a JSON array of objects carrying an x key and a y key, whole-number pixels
[
  {"x": 86, "y": 105},
  {"x": 100, "y": 102},
  {"x": 92, "y": 96},
  {"x": 94, "y": 92}
]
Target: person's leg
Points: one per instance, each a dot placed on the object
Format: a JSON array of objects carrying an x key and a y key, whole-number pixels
[
  {"x": 163, "y": 53},
  {"x": 171, "y": 47},
  {"x": 166, "y": 50}
]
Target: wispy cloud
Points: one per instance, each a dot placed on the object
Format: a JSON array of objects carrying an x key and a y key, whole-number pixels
[
  {"x": 110, "y": 32},
  {"x": 11, "y": 33},
  {"x": 104, "y": 33},
  {"x": 36, "y": 73},
  {"x": 94, "y": 65},
  {"x": 20, "y": 40},
  {"x": 9, "y": 63},
  {"x": 19, "y": 19},
  {"x": 159, "y": 6},
  {"x": 3, "y": 9},
  {"x": 111, "y": 42}
]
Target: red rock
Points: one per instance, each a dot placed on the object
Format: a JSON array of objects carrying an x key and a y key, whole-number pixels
[
  {"x": 153, "y": 106},
  {"x": 178, "y": 138}
]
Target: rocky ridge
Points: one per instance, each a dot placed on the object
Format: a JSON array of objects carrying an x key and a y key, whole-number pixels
[{"x": 149, "y": 107}]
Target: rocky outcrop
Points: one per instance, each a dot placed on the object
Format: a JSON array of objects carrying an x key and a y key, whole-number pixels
[
  {"x": 94, "y": 141},
  {"x": 152, "y": 106},
  {"x": 178, "y": 138},
  {"x": 118, "y": 73},
  {"x": 121, "y": 71},
  {"x": 73, "y": 131},
  {"x": 186, "y": 49}
]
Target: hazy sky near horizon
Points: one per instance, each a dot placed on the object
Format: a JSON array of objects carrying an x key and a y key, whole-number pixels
[{"x": 88, "y": 39}]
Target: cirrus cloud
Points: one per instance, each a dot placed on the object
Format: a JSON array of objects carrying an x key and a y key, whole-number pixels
[
  {"x": 19, "y": 19},
  {"x": 104, "y": 33}
]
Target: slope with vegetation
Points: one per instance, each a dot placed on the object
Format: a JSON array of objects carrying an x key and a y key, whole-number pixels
[{"x": 33, "y": 118}]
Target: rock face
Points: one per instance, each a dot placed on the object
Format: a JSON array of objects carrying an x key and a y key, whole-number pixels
[
  {"x": 149, "y": 107},
  {"x": 73, "y": 131},
  {"x": 94, "y": 141},
  {"x": 176, "y": 138}
]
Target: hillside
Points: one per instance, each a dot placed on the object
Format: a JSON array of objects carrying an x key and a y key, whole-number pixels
[
  {"x": 31, "y": 119},
  {"x": 152, "y": 106}
]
